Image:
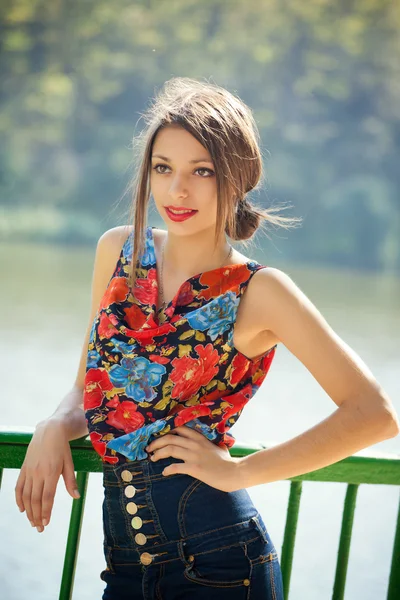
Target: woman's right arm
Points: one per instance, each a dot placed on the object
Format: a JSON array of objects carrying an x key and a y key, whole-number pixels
[{"x": 49, "y": 454}]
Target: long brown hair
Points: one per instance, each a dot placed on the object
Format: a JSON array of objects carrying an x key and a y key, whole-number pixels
[{"x": 225, "y": 126}]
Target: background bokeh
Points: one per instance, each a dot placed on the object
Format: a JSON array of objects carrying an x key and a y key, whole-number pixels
[{"x": 322, "y": 79}]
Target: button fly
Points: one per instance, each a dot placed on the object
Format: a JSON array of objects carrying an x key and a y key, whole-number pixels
[
  {"x": 130, "y": 491},
  {"x": 146, "y": 558},
  {"x": 140, "y": 539},
  {"x": 136, "y": 522},
  {"x": 126, "y": 475},
  {"x": 131, "y": 508}
]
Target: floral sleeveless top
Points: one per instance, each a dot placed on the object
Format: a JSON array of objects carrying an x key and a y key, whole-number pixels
[{"x": 144, "y": 377}]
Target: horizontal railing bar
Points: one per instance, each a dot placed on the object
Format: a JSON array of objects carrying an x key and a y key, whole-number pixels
[{"x": 373, "y": 468}]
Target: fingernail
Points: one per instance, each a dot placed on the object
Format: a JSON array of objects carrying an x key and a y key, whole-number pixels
[
  {"x": 32, "y": 523},
  {"x": 77, "y": 494},
  {"x": 45, "y": 522},
  {"x": 39, "y": 529}
]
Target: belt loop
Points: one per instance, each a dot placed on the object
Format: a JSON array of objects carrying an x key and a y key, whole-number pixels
[{"x": 259, "y": 527}]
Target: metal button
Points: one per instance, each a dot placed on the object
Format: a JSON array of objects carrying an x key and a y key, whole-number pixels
[
  {"x": 130, "y": 491},
  {"x": 131, "y": 508},
  {"x": 146, "y": 558},
  {"x": 140, "y": 539},
  {"x": 136, "y": 521},
  {"x": 191, "y": 558},
  {"x": 126, "y": 475},
  {"x": 246, "y": 581}
]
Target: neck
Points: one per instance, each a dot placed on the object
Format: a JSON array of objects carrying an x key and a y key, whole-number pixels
[{"x": 188, "y": 255}]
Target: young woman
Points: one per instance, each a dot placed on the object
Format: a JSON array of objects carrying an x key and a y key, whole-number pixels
[{"x": 182, "y": 333}]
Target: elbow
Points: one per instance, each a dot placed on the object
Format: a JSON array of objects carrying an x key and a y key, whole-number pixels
[
  {"x": 393, "y": 426},
  {"x": 382, "y": 412},
  {"x": 389, "y": 421}
]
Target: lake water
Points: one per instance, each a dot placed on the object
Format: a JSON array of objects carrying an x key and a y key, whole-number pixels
[{"x": 45, "y": 307}]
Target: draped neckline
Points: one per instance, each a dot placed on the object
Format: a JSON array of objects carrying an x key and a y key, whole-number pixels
[{"x": 169, "y": 308}]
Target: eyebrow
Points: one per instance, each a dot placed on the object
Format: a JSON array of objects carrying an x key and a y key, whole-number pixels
[{"x": 196, "y": 160}]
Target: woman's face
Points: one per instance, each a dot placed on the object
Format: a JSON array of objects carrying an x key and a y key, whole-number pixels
[{"x": 183, "y": 179}]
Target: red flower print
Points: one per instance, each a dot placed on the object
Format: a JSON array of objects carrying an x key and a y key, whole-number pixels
[
  {"x": 238, "y": 368},
  {"x": 114, "y": 402},
  {"x": 96, "y": 384},
  {"x": 117, "y": 291},
  {"x": 125, "y": 417},
  {"x": 227, "y": 441},
  {"x": 186, "y": 294},
  {"x": 111, "y": 459},
  {"x": 231, "y": 279},
  {"x": 135, "y": 317},
  {"x": 145, "y": 337},
  {"x": 99, "y": 446},
  {"x": 146, "y": 288},
  {"x": 191, "y": 412},
  {"x": 161, "y": 360},
  {"x": 190, "y": 374},
  {"x": 238, "y": 400},
  {"x": 261, "y": 367},
  {"x": 105, "y": 327}
]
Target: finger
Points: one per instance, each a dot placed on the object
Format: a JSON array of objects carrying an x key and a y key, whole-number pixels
[
  {"x": 68, "y": 474},
  {"x": 37, "y": 494},
  {"x": 174, "y": 451},
  {"x": 26, "y": 496},
  {"x": 167, "y": 439},
  {"x": 49, "y": 491},
  {"x": 19, "y": 488},
  {"x": 188, "y": 432},
  {"x": 174, "y": 468}
]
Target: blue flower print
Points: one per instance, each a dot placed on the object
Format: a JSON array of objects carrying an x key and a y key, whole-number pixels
[
  {"x": 202, "y": 428},
  {"x": 138, "y": 376},
  {"x": 122, "y": 347},
  {"x": 132, "y": 445},
  {"x": 127, "y": 250},
  {"x": 216, "y": 316},
  {"x": 92, "y": 359},
  {"x": 91, "y": 335},
  {"x": 148, "y": 256}
]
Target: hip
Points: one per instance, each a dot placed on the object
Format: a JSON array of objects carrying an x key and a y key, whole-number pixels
[{"x": 211, "y": 538}]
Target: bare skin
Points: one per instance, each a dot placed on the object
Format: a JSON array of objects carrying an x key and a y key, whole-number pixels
[{"x": 272, "y": 309}]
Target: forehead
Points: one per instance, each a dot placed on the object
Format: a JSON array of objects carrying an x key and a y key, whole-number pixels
[{"x": 177, "y": 143}]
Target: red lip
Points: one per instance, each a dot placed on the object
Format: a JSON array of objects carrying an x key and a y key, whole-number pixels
[
  {"x": 182, "y": 216},
  {"x": 179, "y": 207}
]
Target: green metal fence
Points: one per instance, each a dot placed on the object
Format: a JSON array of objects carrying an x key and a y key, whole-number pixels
[{"x": 352, "y": 471}]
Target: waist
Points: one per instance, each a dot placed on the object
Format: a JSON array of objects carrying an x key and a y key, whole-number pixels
[{"x": 139, "y": 499}]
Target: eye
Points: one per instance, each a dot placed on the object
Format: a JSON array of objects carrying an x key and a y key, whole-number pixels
[
  {"x": 156, "y": 167},
  {"x": 209, "y": 171}
]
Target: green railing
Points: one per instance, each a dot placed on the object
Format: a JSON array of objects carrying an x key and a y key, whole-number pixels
[{"x": 352, "y": 471}]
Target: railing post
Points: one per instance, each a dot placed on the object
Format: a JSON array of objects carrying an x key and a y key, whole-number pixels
[
  {"x": 289, "y": 537},
  {"x": 74, "y": 533},
  {"x": 394, "y": 579}
]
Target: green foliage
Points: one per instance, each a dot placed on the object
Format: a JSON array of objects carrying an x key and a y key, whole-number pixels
[{"x": 321, "y": 78}]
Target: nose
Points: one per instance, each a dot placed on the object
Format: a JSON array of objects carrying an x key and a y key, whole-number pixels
[{"x": 178, "y": 187}]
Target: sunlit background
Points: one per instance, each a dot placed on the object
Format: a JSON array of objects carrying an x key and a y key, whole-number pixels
[{"x": 322, "y": 79}]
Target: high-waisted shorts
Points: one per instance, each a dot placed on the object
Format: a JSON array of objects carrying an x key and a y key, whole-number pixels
[{"x": 173, "y": 537}]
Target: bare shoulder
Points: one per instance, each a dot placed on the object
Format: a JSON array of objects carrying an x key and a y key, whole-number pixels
[
  {"x": 115, "y": 237},
  {"x": 284, "y": 309},
  {"x": 109, "y": 248},
  {"x": 273, "y": 295}
]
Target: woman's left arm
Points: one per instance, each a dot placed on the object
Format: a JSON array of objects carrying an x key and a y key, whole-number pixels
[{"x": 365, "y": 414}]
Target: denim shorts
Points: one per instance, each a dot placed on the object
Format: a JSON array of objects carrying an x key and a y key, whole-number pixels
[{"x": 174, "y": 537}]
